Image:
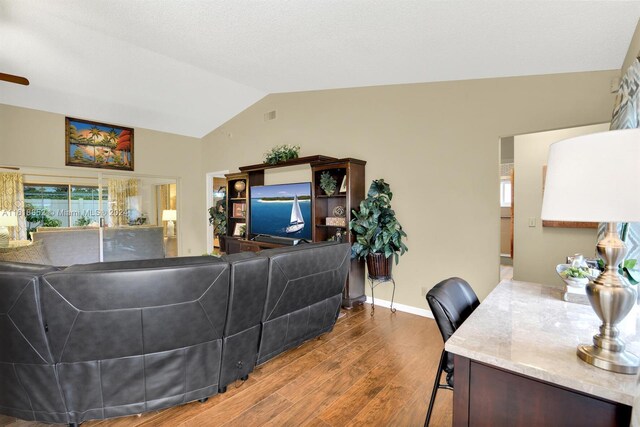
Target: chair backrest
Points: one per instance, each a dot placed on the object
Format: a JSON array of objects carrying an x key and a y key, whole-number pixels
[{"x": 451, "y": 302}]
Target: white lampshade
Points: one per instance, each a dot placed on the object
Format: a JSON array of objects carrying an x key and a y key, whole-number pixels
[
  {"x": 169, "y": 215},
  {"x": 594, "y": 178},
  {"x": 8, "y": 219}
]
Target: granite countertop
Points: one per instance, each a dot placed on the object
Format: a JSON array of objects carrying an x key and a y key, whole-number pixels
[{"x": 527, "y": 328}]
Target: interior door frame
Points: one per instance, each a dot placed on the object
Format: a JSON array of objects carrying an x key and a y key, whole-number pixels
[
  {"x": 209, "y": 197},
  {"x": 105, "y": 175}
]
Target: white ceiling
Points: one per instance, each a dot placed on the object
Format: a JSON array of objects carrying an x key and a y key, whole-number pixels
[{"x": 186, "y": 66}]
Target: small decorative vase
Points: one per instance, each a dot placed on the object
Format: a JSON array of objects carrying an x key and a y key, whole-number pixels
[
  {"x": 379, "y": 267},
  {"x": 329, "y": 193}
]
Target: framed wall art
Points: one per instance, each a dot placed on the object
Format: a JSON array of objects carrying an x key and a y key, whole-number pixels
[{"x": 98, "y": 145}]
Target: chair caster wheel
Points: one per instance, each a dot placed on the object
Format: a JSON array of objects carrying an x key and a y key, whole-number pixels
[
  {"x": 222, "y": 390},
  {"x": 246, "y": 377},
  {"x": 204, "y": 399}
]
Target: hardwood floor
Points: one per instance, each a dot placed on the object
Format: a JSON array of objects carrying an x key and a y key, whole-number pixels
[{"x": 373, "y": 371}]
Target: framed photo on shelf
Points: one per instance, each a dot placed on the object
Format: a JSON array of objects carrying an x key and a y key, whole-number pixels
[
  {"x": 239, "y": 210},
  {"x": 343, "y": 186},
  {"x": 239, "y": 230}
]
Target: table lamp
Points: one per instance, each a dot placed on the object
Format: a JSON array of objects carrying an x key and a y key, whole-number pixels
[
  {"x": 170, "y": 215},
  {"x": 7, "y": 219},
  {"x": 595, "y": 178}
]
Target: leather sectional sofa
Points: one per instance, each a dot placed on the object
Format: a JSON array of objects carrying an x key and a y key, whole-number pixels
[{"x": 104, "y": 340}]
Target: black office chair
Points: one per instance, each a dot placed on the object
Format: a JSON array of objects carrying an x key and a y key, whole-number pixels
[{"x": 451, "y": 302}]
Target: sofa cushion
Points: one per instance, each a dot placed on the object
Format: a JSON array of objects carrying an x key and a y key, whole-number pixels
[
  {"x": 136, "y": 336},
  {"x": 304, "y": 275},
  {"x": 34, "y": 253},
  {"x": 303, "y": 294}
]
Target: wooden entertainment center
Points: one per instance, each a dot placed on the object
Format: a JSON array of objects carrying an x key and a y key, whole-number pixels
[{"x": 349, "y": 174}]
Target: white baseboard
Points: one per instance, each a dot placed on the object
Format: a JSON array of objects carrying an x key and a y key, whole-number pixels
[{"x": 402, "y": 307}]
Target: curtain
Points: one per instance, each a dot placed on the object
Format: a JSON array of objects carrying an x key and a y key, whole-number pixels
[
  {"x": 123, "y": 201},
  {"x": 12, "y": 199},
  {"x": 626, "y": 115}
]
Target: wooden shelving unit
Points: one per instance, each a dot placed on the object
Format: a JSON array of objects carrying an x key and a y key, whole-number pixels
[
  {"x": 349, "y": 170},
  {"x": 261, "y": 167},
  {"x": 237, "y": 204}
]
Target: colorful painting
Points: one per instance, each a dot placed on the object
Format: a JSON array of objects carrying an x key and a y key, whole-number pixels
[{"x": 98, "y": 145}]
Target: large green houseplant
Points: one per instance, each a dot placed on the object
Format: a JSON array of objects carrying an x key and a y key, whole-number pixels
[
  {"x": 218, "y": 218},
  {"x": 377, "y": 232}
]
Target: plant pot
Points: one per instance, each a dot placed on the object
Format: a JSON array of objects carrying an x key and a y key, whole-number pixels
[
  {"x": 222, "y": 243},
  {"x": 573, "y": 282},
  {"x": 329, "y": 193},
  {"x": 379, "y": 267}
]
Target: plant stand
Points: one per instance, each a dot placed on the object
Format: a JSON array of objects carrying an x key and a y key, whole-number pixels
[{"x": 375, "y": 281}]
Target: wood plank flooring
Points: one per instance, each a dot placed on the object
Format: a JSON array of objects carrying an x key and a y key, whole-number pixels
[{"x": 369, "y": 371}]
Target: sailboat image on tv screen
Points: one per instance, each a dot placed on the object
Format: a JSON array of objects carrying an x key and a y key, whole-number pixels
[{"x": 297, "y": 222}]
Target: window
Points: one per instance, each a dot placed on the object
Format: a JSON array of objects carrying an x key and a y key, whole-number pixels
[
  {"x": 85, "y": 205},
  {"x": 61, "y": 205},
  {"x": 505, "y": 192}
]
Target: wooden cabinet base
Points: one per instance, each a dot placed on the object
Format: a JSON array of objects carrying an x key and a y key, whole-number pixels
[
  {"x": 233, "y": 245},
  {"x": 486, "y": 395},
  {"x": 349, "y": 303}
]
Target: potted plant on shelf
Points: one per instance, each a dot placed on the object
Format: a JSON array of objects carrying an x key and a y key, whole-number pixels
[
  {"x": 328, "y": 183},
  {"x": 281, "y": 153},
  {"x": 377, "y": 233},
  {"x": 218, "y": 218}
]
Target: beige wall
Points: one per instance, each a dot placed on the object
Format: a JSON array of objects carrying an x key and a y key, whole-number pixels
[
  {"x": 36, "y": 138},
  {"x": 537, "y": 250},
  {"x": 436, "y": 144}
]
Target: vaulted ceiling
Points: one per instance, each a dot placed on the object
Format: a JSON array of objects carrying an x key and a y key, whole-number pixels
[{"x": 188, "y": 66}]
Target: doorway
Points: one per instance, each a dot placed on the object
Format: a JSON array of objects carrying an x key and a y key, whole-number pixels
[
  {"x": 506, "y": 207},
  {"x": 85, "y": 216},
  {"x": 538, "y": 247},
  {"x": 216, "y": 186}
]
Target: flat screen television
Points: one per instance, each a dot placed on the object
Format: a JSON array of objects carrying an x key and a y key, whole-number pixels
[{"x": 282, "y": 210}]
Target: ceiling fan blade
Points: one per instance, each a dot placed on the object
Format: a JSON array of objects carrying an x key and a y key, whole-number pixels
[{"x": 14, "y": 79}]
